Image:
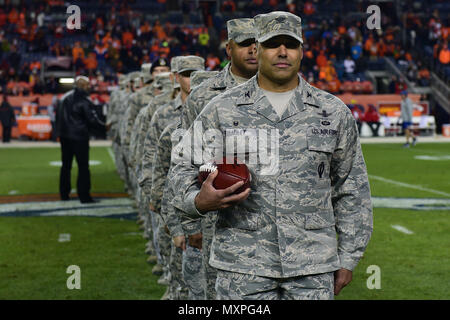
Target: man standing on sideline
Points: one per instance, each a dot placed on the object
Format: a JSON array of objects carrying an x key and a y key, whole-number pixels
[
  {"x": 7, "y": 118},
  {"x": 407, "y": 109},
  {"x": 75, "y": 117},
  {"x": 304, "y": 224}
]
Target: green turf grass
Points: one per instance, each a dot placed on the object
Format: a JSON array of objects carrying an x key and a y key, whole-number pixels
[
  {"x": 393, "y": 162},
  {"x": 112, "y": 260},
  {"x": 109, "y": 252},
  {"x": 413, "y": 266},
  {"x": 28, "y": 171}
]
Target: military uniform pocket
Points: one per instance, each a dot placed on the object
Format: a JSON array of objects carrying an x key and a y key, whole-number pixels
[
  {"x": 319, "y": 220},
  {"x": 322, "y": 140}
]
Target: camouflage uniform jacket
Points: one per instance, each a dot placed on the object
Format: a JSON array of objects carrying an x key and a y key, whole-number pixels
[
  {"x": 317, "y": 190},
  {"x": 160, "y": 191},
  {"x": 138, "y": 100},
  {"x": 160, "y": 119},
  {"x": 137, "y": 153},
  {"x": 111, "y": 118},
  {"x": 195, "y": 103}
]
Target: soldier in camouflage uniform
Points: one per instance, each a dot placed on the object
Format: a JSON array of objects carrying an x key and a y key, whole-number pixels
[
  {"x": 192, "y": 271},
  {"x": 304, "y": 224},
  {"x": 242, "y": 50},
  {"x": 111, "y": 121},
  {"x": 134, "y": 81},
  {"x": 137, "y": 101},
  {"x": 120, "y": 104},
  {"x": 161, "y": 118},
  {"x": 164, "y": 85}
]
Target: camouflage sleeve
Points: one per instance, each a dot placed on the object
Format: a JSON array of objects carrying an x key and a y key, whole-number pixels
[
  {"x": 142, "y": 135},
  {"x": 122, "y": 120},
  {"x": 134, "y": 163},
  {"x": 191, "y": 153},
  {"x": 160, "y": 167},
  {"x": 169, "y": 214},
  {"x": 194, "y": 105},
  {"x": 110, "y": 116},
  {"x": 133, "y": 108},
  {"x": 148, "y": 152},
  {"x": 350, "y": 195}
]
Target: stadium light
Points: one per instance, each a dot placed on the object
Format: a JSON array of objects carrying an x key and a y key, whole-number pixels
[{"x": 66, "y": 80}]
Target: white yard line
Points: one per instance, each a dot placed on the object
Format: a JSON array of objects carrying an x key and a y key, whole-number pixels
[
  {"x": 110, "y": 152},
  {"x": 411, "y": 186},
  {"x": 64, "y": 237},
  {"x": 402, "y": 229}
]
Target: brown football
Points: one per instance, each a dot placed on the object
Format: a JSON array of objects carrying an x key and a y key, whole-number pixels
[{"x": 229, "y": 174}]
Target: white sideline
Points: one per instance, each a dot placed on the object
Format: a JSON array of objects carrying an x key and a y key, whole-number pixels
[
  {"x": 402, "y": 229},
  {"x": 407, "y": 185},
  {"x": 110, "y": 152}
]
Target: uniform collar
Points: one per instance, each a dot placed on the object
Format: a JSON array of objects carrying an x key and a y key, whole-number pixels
[
  {"x": 224, "y": 79},
  {"x": 255, "y": 98},
  {"x": 178, "y": 103}
]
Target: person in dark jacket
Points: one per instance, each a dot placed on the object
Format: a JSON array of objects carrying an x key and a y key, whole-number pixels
[
  {"x": 75, "y": 118},
  {"x": 7, "y": 118}
]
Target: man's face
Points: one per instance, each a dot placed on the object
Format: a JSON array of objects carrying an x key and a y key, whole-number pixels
[
  {"x": 160, "y": 69},
  {"x": 243, "y": 57},
  {"x": 280, "y": 58},
  {"x": 184, "y": 79},
  {"x": 84, "y": 85}
]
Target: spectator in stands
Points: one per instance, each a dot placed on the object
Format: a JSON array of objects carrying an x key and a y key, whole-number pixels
[
  {"x": 91, "y": 63},
  {"x": 444, "y": 54},
  {"x": 349, "y": 66},
  {"x": 400, "y": 86},
  {"x": 78, "y": 56},
  {"x": 228, "y": 6},
  {"x": 322, "y": 60},
  {"x": 309, "y": 8},
  {"x": 407, "y": 109},
  {"x": 393, "y": 84},
  {"x": 357, "y": 114},
  {"x": 372, "y": 118},
  {"x": 356, "y": 51},
  {"x": 7, "y": 118},
  {"x": 423, "y": 76},
  {"x": 212, "y": 62}
]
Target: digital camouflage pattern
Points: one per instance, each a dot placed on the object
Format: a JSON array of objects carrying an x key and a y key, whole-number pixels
[
  {"x": 197, "y": 99},
  {"x": 287, "y": 226},
  {"x": 136, "y": 102},
  {"x": 166, "y": 95},
  {"x": 160, "y": 119},
  {"x": 193, "y": 273},
  {"x": 197, "y": 77},
  {"x": 237, "y": 286},
  {"x": 278, "y": 23},
  {"x": 190, "y": 63},
  {"x": 145, "y": 72},
  {"x": 240, "y": 30}
]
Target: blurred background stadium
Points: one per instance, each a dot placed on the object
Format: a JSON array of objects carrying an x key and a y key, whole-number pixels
[{"x": 367, "y": 69}]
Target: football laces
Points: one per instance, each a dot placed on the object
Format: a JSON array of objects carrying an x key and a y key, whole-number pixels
[{"x": 208, "y": 167}]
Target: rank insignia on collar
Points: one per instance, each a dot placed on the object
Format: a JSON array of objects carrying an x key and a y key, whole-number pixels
[
  {"x": 235, "y": 123},
  {"x": 247, "y": 94},
  {"x": 308, "y": 94}
]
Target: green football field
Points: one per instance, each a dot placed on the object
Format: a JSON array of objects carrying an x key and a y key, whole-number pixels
[{"x": 409, "y": 248}]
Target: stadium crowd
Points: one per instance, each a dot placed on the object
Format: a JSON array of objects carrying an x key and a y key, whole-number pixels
[{"x": 121, "y": 37}]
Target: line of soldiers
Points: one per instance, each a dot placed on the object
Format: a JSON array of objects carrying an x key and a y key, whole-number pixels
[{"x": 143, "y": 117}]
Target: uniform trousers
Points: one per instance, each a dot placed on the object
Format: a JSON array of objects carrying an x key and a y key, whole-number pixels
[
  {"x": 79, "y": 149},
  {"x": 239, "y": 286}
]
